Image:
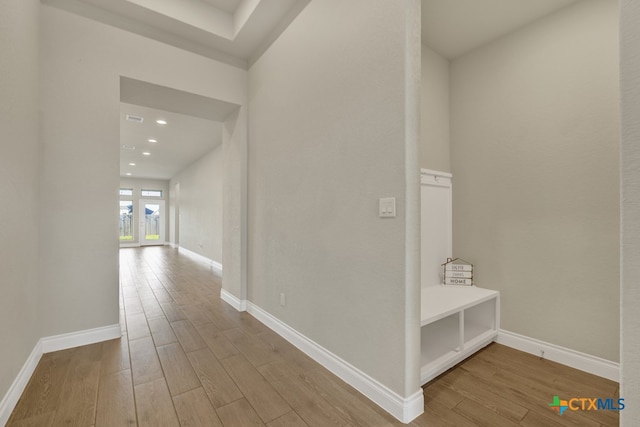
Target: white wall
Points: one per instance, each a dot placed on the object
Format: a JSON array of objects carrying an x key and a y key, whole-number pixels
[
  {"x": 19, "y": 151},
  {"x": 82, "y": 62},
  {"x": 434, "y": 112},
  {"x": 174, "y": 213},
  {"x": 535, "y": 160},
  {"x": 138, "y": 184},
  {"x": 332, "y": 129},
  {"x": 630, "y": 155},
  {"x": 200, "y": 221}
]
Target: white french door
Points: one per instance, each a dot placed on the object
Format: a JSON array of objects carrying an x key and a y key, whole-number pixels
[{"x": 151, "y": 217}]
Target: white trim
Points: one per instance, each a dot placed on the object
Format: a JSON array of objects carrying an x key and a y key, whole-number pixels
[
  {"x": 138, "y": 245},
  {"x": 129, "y": 245},
  {"x": 404, "y": 409},
  {"x": 425, "y": 171},
  {"x": 232, "y": 300},
  {"x": 10, "y": 399},
  {"x": 216, "y": 266},
  {"x": 48, "y": 345},
  {"x": 76, "y": 339},
  {"x": 201, "y": 258},
  {"x": 575, "y": 359}
]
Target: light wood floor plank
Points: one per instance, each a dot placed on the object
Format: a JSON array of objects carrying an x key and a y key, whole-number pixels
[
  {"x": 254, "y": 350},
  {"x": 151, "y": 307},
  {"x": 115, "y": 356},
  {"x": 77, "y": 404},
  {"x": 313, "y": 409},
  {"x": 443, "y": 395},
  {"x": 161, "y": 294},
  {"x": 132, "y": 304},
  {"x": 161, "y": 331},
  {"x": 41, "y": 420},
  {"x": 129, "y": 291},
  {"x": 466, "y": 385},
  {"x": 214, "y": 379},
  {"x": 217, "y": 342},
  {"x": 346, "y": 400},
  {"x": 479, "y": 415},
  {"x": 188, "y": 336},
  {"x": 145, "y": 364},
  {"x": 154, "y": 406},
  {"x": 144, "y": 292},
  {"x": 279, "y": 369},
  {"x": 172, "y": 311},
  {"x": 250, "y": 325},
  {"x": 154, "y": 284},
  {"x": 438, "y": 415},
  {"x": 220, "y": 318},
  {"x": 535, "y": 419},
  {"x": 196, "y": 314},
  {"x": 116, "y": 406},
  {"x": 259, "y": 393},
  {"x": 44, "y": 390},
  {"x": 286, "y": 350},
  {"x": 290, "y": 419},
  {"x": 178, "y": 372},
  {"x": 194, "y": 409},
  {"x": 239, "y": 413},
  {"x": 137, "y": 326}
]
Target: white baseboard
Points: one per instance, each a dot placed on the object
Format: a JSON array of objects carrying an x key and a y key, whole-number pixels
[
  {"x": 48, "y": 345},
  {"x": 575, "y": 359},
  {"x": 138, "y": 245},
  {"x": 10, "y": 399},
  {"x": 233, "y": 301},
  {"x": 404, "y": 409},
  {"x": 76, "y": 339},
  {"x": 213, "y": 264},
  {"x": 129, "y": 245}
]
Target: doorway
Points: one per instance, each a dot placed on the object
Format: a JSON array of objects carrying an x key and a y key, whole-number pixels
[
  {"x": 152, "y": 222},
  {"x": 146, "y": 149}
]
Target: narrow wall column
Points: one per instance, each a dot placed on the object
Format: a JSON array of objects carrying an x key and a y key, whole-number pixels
[
  {"x": 630, "y": 210},
  {"x": 19, "y": 169}
]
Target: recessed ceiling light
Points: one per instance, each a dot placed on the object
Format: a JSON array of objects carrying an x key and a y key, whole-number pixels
[
  {"x": 161, "y": 122},
  {"x": 128, "y": 147},
  {"x": 146, "y": 153},
  {"x": 128, "y": 173},
  {"x": 152, "y": 140},
  {"x": 132, "y": 164}
]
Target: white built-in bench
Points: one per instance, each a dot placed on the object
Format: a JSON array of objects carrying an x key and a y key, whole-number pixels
[{"x": 456, "y": 321}]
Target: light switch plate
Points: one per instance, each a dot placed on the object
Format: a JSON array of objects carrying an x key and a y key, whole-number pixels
[{"x": 387, "y": 207}]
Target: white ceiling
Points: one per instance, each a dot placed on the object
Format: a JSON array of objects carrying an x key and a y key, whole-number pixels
[
  {"x": 228, "y": 6},
  {"x": 163, "y": 98},
  {"x": 182, "y": 141},
  {"x": 455, "y": 27},
  {"x": 194, "y": 128},
  {"x": 238, "y": 32},
  {"x": 233, "y": 31}
]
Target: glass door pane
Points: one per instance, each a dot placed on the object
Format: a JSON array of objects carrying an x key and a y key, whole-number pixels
[
  {"x": 126, "y": 220},
  {"x": 152, "y": 222}
]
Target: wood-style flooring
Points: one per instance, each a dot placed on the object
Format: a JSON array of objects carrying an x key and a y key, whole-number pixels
[{"x": 187, "y": 358}]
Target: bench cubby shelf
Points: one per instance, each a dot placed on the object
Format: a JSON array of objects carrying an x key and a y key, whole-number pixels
[{"x": 456, "y": 321}]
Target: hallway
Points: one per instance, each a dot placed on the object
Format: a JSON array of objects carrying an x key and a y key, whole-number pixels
[{"x": 187, "y": 358}]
